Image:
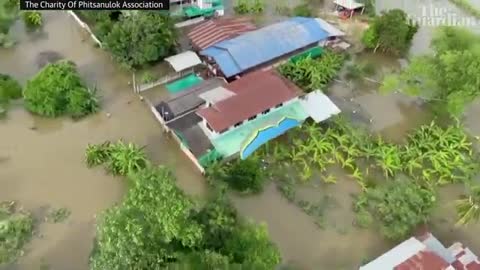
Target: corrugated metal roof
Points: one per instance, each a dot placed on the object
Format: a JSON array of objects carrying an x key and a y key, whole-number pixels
[
  {"x": 216, "y": 95},
  {"x": 349, "y": 4},
  {"x": 331, "y": 30},
  {"x": 319, "y": 106},
  {"x": 183, "y": 60},
  {"x": 423, "y": 260},
  {"x": 217, "y": 30},
  {"x": 189, "y": 99},
  {"x": 255, "y": 93},
  {"x": 396, "y": 255},
  {"x": 260, "y": 46}
]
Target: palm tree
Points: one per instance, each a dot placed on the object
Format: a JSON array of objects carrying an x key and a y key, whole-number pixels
[{"x": 468, "y": 208}]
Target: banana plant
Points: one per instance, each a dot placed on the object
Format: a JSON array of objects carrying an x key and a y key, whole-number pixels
[{"x": 468, "y": 208}]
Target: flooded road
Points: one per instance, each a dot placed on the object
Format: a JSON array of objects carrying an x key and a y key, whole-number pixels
[{"x": 42, "y": 159}]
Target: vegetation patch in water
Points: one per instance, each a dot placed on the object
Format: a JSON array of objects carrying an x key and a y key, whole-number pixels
[
  {"x": 120, "y": 158},
  {"x": 249, "y": 6},
  {"x": 399, "y": 205},
  {"x": 157, "y": 226},
  {"x": 32, "y": 19},
  {"x": 10, "y": 89},
  {"x": 58, "y": 90},
  {"x": 313, "y": 74},
  {"x": 16, "y": 227},
  {"x": 58, "y": 215}
]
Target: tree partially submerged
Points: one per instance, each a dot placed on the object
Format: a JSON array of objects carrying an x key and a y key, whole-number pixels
[
  {"x": 157, "y": 226},
  {"x": 58, "y": 90},
  {"x": 400, "y": 206},
  {"x": 391, "y": 32},
  {"x": 448, "y": 77},
  {"x": 141, "y": 38}
]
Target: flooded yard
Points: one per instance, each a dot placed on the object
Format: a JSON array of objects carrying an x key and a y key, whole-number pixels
[{"x": 42, "y": 162}]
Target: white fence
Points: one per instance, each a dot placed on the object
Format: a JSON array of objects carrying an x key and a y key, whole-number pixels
[{"x": 85, "y": 26}]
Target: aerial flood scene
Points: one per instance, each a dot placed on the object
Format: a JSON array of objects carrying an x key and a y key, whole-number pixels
[{"x": 241, "y": 134}]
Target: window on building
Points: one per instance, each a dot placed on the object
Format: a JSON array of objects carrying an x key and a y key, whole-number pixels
[
  {"x": 223, "y": 131},
  {"x": 253, "y": 117},
  {"x": 209, "y": 127},
  {"x": 279, "y": 105},
  {"x": 237, "y": 124},
  {"x": 266, "y": 111}
]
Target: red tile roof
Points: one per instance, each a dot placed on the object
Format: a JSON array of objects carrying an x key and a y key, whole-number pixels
[
  {"x": 424, "y": 260},
  {"x": 256, "y": 92},
  {"x": 217, "y": 30}
]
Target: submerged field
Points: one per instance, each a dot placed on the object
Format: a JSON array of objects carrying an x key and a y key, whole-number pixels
[{"x": 42, "y": 164}]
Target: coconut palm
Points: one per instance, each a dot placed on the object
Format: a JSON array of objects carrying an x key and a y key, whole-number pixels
[{"x": 468, "y": 208}]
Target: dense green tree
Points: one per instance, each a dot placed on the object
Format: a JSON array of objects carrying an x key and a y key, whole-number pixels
[
  {"x": 158, "y": 227},
  {"x": 251, "y": 246},
  {"x": 448, "y": 77},
  {"x": 246, "y": 175},
  {"x": 58, "y": 90},
  {"x": 141, "y": 39},
  {"x": 399, "y": 206},
  {"x": 391, "y": 32},
  {"x": 149, "y": 228}
]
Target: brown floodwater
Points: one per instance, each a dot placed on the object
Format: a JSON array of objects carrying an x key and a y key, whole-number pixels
[{"x": 42, "y": 159}]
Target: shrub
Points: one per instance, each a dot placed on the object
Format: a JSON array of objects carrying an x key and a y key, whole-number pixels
[
  {"x": 15, "y": 231},
  {"x": 246, "y": 176},
  {"x": 58, "y": 90},
  {"x": 120, "y": 158},
  {"x": 249, "y": 6},
  {"x": 400, "y": 206},
  {"x": 9, "y": 89},
  {"x": 32, "y": 18}
]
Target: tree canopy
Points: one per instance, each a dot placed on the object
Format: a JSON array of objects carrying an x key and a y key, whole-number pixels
[
  {"x": 157, "y": 226},
  {"x": 399, "y": 205},
  {"x": 391, "y": 32},
  {"x": 58, "y": 90},
  {"x": 141, "y": 38},
  {"x": 448, "y": 77}
]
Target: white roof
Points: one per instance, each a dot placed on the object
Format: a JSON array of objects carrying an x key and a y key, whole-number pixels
[
  {"x": 348, "y": 4},
  {"x": 183, "y": 60},
  {"x": 217, "y": 94},
  {"x": 331, "y": 30},
  {"x": 396, "y": 255},
  {"x": 319, "y": 106}
]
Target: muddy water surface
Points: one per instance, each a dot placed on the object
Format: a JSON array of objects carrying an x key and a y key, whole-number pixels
[{"x": 42, "y": 160}]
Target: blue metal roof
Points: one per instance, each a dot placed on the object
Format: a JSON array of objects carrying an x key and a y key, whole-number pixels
[{"x": 257, "y": 47}]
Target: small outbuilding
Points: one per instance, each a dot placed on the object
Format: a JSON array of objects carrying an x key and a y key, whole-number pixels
[{"x": 348, "y": 7}]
